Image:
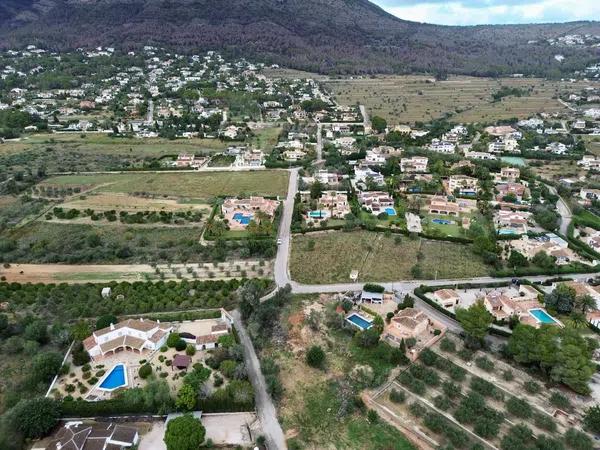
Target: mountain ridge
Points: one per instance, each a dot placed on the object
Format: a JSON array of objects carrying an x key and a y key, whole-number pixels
[{"x": 335, "y": 36}]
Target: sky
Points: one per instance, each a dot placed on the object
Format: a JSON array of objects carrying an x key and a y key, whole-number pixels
[{"x": 475, "y": 12}]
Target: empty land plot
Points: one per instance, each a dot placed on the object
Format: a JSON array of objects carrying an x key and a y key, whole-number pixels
[
  {"x": 103, "y": 144},
  {"x": 592, "y": 144},
  {"x": 378, "y": 258},
  {"x": 185, "y": 184},
  {"x": 407, "y": 99},
  {"x": 126, "y": 202}
]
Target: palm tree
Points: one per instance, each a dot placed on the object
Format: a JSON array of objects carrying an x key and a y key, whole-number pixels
[
  {"x": 578, "y": 319},
  {"x": 585, "y": 303}
]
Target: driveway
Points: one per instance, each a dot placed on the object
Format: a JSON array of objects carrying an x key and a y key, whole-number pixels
[{"x": 264, "y": 404}]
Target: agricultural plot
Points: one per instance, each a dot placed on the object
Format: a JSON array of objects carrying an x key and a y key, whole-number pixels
[
  {"x": 96, "y": 152},
  {"x": 456, "y": 395},
  {"x": 331, "y": 257},
  {"x": 131, "y": 203},
  {"x": 203, "y": 186},
  {"x": 407, "y": 99}
]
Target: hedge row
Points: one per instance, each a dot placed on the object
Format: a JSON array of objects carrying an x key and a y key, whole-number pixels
[{"x": 115, "y": 407}]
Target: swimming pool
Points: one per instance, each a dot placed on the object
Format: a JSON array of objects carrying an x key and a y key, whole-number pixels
[
  {"x": 543, "y": 317},
  {"x": 506, "y": 231},
  {"x": 116, "y": 378},
  {"x": 318, "y": 214},
  {"x": 242, "y": 219},
  {"x": 390, "y": 211},
  {"x": 442, "y": 221},
  {"x": 359, "y": 321}
]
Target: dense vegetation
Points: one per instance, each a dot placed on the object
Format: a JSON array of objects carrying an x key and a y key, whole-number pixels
[
  {"x": 337, "y": 36},
  {"x": 45, "y": 243},
  {"x": 70, "y": 302}
]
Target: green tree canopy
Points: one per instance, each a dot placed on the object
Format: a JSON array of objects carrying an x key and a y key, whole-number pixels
[
  {"x": 184, "y": 433},
  {"x": 475, "y": 320},
  {"x": 34, "y": 418}
]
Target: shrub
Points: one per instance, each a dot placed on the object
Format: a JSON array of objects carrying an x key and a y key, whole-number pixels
[
  {"x": 577, "y": 440},
  {"x": 190, "y": 350},
  {"x": 397, "y": 396},
  {"x": 452, "y": 390},
  {"x": 86, "y": 368},
  {"x": 315, "y": 357},
  {"x": 164, "y": 348},
  {"x": 442, "y": 402},
  {"x": 412, "y": 384},
  {"x": 173, "y": 339},
  {"x": 417, "y": 410},
  {"x": 484, "y": 388},
  {"x": 508, "y": 375},
  {"x": 465, "y": 354},
  {"x": 372, "y": 416},
  {"x": 145, "y": 371},
  {"x": 560, "y": 401},
  {"x": 518, "y": 408},
  {"x": 92, "y": 381},
  {"x": 545, "y": 422},
  {"x": 180, "y": 345},
  {"x": 484, "y": 364},
  {"x": 532, "y": 387},
  {"x": 457, "y": 373},
  {"x": 427, "y": 357},
  {"x": 447, "y": 345}
]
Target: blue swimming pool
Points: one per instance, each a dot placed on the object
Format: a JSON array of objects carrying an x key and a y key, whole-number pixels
[
  {"x": 543, "y": 317},
  {"x": 442, "y": 221},
  {"x": 359, "y": 321},
  {"x": 116, "y": 378},
  {"x": 390, "y": 211},
  {"x": 506, "y": 231},
  {"x": 241, "y": 218},
  {"x": 319, "y": 214}
]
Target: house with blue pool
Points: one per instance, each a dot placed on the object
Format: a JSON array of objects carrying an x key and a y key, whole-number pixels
[
  {"x": 239, "y": 212},
  {"x": 132, "y": 335}
]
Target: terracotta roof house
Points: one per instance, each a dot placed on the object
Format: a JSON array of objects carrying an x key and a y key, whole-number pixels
[
  {"x": 90, "y": 436},
  {"x": 407, "y": 323},
  {"x": 134, "y": 335},
  {"x": 448, "y": 298},
  {"x": 442, "y": 206}
]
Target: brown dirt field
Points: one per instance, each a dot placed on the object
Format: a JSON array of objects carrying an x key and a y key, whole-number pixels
[{"x": 125, "y": 202}]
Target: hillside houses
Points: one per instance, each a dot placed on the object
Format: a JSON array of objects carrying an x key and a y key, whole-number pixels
[
  {"x": 415, "y": 164},
  {"x": 462, "y": 185},
  {"x": 376, "y": 202}
]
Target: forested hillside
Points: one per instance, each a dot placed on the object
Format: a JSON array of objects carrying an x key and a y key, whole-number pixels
[{"x": 341, "y": 36}]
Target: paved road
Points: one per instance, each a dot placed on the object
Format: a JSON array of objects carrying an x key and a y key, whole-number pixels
[
  {"x": 366, "y": 120},
  {"x": 319, "y": 143},
  {"x": 264, "y": 404},
  {"x": 563, "y": 209},
  {"x": 282, "y": 276},
  {"x": 407, "y": 286}
]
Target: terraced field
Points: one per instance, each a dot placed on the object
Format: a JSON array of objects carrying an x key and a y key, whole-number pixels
[{"x": 407, "y": 99}]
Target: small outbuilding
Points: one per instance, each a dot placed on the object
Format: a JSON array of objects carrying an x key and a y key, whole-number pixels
[
  {"x": 181, "y": 362},
  {"x": 106, "y": 292}
]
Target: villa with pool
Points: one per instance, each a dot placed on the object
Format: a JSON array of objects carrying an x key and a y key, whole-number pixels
[
  {"x": 134, "y": 335},
  {"x": 239, "y": 212},
  {"x": 377, "y": 202}
]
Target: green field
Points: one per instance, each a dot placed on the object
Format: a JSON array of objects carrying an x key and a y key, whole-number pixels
[
  {"x": 406, "y": 99},
  {"x": 42, "y": 242},
  {"x": 194, "y": 185},
  {"x": 378, "y": 258}
]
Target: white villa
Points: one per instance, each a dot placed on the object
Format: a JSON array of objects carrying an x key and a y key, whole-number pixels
[
  {"x": 414, "y": 164},
  {"x": 135, "y": 335}
]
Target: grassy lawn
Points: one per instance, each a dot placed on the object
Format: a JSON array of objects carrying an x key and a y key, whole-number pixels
[
  {"x": 195, "y": 185},
  {"x": 266, "y": 138},
  {"x": 454, "y": 230},
  {"x": 402, "y": 99},
  {"x": 378, "y": 258}
]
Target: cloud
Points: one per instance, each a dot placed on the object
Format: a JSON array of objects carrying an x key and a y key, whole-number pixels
[{"x": 473, "y": 12}]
